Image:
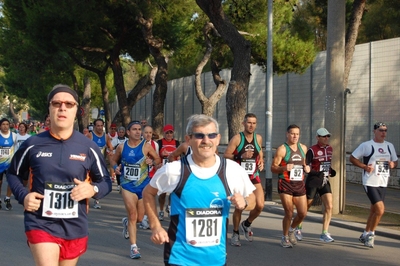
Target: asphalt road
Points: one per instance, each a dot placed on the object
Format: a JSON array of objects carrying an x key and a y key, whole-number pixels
[{"x": 108, "y": 247}]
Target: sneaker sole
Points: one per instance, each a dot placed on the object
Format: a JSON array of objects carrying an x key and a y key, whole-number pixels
[{"x": 125, "y": 233}]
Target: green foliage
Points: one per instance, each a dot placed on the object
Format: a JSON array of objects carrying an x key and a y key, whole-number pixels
[{"x": 381, "y": 21}]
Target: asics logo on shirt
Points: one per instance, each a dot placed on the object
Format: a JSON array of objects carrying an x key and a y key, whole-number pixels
[
  {"x": 131, "y": 153},
  {"x": 44, "y": 154}
]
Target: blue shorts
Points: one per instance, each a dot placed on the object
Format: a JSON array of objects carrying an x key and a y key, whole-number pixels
[
  {"x": 375, "y": 194},
  {"x": 131, "y": 187}
]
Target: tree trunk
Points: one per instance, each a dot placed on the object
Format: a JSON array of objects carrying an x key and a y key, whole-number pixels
[
  {"x": 208, "y": 104},
  {"x": 236, "y": 96},
  {"x": 351, "y": 36},
  {"x": 85, "y": 103},
  {"x": 155, "y": 46},
  {"x": 141, "y": 89},
  {"x": 120, "y": 89}
]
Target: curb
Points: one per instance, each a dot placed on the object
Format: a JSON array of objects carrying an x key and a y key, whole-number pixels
[{"x": 276, "y": 208}]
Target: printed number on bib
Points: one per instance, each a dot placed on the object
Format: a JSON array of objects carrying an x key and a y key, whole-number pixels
[
  {"x": 296, "y": 174},
  {"x": 324, "y": 167},
  {"x": 4, "y": 152},
  {"x": 203, "y": 226},
  {"x": 57, "y": 202},
  {"x": 249, "y": 165},
  {"x": 382, "y": 168},
  {"x": 132, "y": 172}
]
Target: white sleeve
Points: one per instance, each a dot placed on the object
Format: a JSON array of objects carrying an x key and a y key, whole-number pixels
[
  {"x": 362, "y": 150},
  {"x": 167, "y": 177},
  {"x": 238, "y": 179},
  {"x": 393, "y": 156}
]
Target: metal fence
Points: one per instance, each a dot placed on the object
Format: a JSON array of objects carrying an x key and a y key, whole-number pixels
[{"x": 374, "y": 83}]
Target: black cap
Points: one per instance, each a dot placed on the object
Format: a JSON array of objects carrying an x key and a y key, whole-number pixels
[
  {"x": 61, "y": 88},
  {"x": 379, "y": 124}
]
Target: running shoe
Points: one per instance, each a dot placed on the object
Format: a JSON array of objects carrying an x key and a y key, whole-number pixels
[
  {"x": 362, "y": 238},
  {"x": 247, "y": 232},
  {"x": 235, "y": 240},
  {"x": 292, "y": 238},
  {"x": 144, "y": 224},
  {"x": 135, "y": 253},
  {"x": 326, "y": 238},
  {"x": 8, "y": 204},
  {"x": 369, "y": 240},
  {"x": 97, "y": 204},
  {"x": 298, "y": 234},
  {"x": 161, "y": 215},
  {"x": 125, "y": 231},
  {"x": 118, "y": 188},
  {"x": 285, "y": 242}
]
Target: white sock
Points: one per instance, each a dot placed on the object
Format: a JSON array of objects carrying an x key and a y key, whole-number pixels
[{"x": 133, "y": 246}]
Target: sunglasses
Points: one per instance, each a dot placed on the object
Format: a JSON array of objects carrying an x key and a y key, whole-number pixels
[
  {"x": 382, "y": 130},
  {"x": 169, "y": 132},
  {"x": 327, "y": 136},
  {"x": 202, "y": 135},
  {"x": 68, "y": 104}
]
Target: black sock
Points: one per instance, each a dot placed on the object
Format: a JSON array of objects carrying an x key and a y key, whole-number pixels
[
  {"x": 236, "y": 232},
  {"x": 247, "y": 223}
]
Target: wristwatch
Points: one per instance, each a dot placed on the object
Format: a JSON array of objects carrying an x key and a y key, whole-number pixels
[{"x": 96, "y": 189}]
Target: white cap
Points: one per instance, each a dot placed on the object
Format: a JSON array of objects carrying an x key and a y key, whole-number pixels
[{"x": 323, "y": 132}]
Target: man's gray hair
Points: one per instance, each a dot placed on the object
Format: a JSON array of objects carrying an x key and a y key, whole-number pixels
[
  {"x": 200, "y": 120},
  {"x": 121, "y": 128}
]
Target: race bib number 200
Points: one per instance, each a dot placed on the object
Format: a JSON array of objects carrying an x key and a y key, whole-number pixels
[{"x": 57, "y": 202}]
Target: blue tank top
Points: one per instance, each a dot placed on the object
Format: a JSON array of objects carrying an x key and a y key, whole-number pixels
[
  {"x": 199, "y": 216},
  {"x": 134, "y": 167},
  {"x": 100, "y": 141},
  {"x": 6, "y": 151}
]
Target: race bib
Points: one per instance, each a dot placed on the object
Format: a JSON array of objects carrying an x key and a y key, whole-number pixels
[
  {"x": 324, "y": 167},
  {"x": 57, "y": 202},
  {"x": 296, "y": 174},
  {"x": 203, "y": 226},
  {"x": 4, "y": 152},
  {"x": 382, "y": 169},
  {"x": 249, "y": 165},
  {"x": 132, "y": 172}
]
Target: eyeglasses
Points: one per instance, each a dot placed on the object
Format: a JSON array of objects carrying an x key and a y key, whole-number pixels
[
  {"x": 68, "y": 104},
  {"x": 202, "y": 135},
  {"x": 382, "y": 130},
  {"x": 113, "y": 128},
  {"x": 327, "y": 136},
  {"x": 169, "y": 132}
]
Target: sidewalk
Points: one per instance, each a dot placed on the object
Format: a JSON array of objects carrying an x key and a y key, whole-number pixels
[{"x": 355, "y": 196}]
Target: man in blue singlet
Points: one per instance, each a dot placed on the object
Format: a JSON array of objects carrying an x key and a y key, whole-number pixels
[
  {"x": 8, "y": 143},
  {"x": 99, "y": 137},
  {"x": 134, "y": 176},
  {"x": 202, "y": 187}
]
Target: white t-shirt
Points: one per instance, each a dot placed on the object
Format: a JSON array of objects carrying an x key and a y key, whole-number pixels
[
  {"x": 378, "y": 155},
  {"x": 21, "y": 139},
  {"x": 167, "y": 177}
]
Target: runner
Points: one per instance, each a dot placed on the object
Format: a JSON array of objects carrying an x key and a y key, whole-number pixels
[
  {"x": 66, "y": 170},
  {"x": 8, "y": 142},
  {"x": 290, "y": 165},
  {"x": 99, "y": 137},
  {"x": 319, "y": 157},
  {"x": 202, "y": 187},
  {"x": 134, "y": 177},
  {"x": 167, "y": 145},
  {"x": 245, "y": 149},
  {"x": 378, "y": 157}
]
